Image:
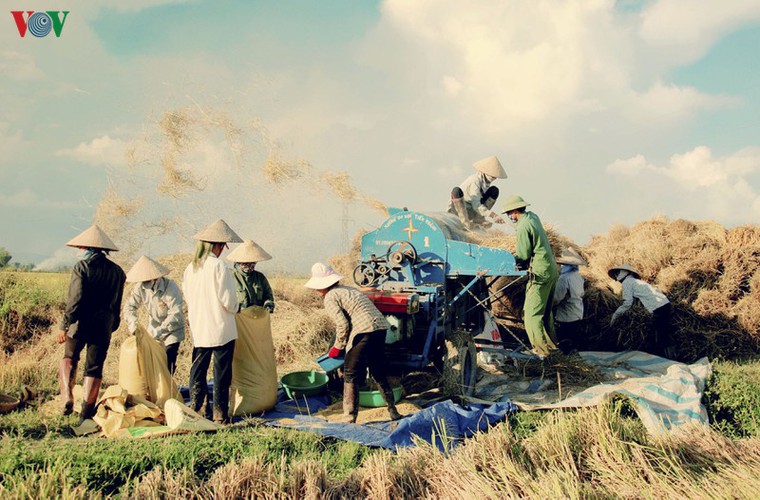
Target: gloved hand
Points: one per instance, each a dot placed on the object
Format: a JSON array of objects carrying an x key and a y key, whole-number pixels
[
  {"x": 269, "y": 305},
  {"x": 334, "y": 352}
]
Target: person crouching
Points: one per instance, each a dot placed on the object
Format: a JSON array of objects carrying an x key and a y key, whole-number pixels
[
  {"x": 361, "y": 329},
  {"x": 163, "y": 301}
]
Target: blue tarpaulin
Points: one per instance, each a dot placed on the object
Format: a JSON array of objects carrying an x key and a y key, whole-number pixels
[{"x": 443, "y": 424}]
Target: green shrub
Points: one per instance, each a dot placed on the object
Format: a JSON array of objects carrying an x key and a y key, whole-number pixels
[{"x": 732, "y": 398}]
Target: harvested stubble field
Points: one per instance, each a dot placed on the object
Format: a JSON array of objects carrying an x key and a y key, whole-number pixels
[{"x": 709, "y": 272}]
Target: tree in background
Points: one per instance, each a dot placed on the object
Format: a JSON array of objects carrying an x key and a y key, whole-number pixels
[{"x": 5, "y": 257}]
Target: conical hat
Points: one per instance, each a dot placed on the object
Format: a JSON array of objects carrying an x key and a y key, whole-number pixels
[
  {"x": 570, "y": 256},
  {"x": 514, "y": 202},
  {"x": 491, "y": 166},
  {"x": 624, "y": 267},
  {"x": 92, "y": 237},
  {"x": 146, "y": 269},
  {"x": 248, "y": 251},
  {"x": 217, "y": 232}
]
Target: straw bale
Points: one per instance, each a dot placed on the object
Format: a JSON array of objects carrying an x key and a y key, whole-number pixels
[{"x": 705, "y": 270}]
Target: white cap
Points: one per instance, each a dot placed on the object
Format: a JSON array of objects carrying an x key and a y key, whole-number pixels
[{"x": 322, "y": 276}]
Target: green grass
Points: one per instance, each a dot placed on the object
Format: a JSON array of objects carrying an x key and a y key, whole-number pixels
[{"x": 107, "y": 465}]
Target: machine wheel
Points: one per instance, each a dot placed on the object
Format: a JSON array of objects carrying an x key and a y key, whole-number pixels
[
  {"x": 364, "y": 275},
  {"x": 400, "y": 250},
  {"x": 460, "y": 367}
]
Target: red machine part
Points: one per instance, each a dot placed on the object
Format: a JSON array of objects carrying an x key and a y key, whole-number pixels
[{"x": 394, "y": 302}]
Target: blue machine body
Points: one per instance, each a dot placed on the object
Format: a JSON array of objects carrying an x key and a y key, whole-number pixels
[
  {"x": 427, "y": 255},
  {"x": 438, "y": 239}
]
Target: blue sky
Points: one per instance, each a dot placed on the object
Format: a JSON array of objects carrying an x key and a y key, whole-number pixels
[{"x": 602, "y": 112}]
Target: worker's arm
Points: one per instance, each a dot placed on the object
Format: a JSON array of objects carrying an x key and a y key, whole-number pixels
[
  {"x": 131, "y": 307},
  {"x": 175, "y": 319},
  {"x": 268, "y": 294},
  {"x": 561, "y": 292},
  {"x": 524, "y": 248},
  {"x": 117, "y": 303},
  {"x": 74, "y": 302},
  {"x": 342, "y": 327},
  {"x": 225, "y": 288},
  {"x": 627, "y": 300}
]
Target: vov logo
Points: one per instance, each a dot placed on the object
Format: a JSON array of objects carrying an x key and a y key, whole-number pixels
[{"x": 40, "y": 24}]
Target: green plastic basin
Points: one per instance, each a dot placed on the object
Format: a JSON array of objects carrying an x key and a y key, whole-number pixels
[
  {"x": 373, "y": 399},
  {"x": 304, "y": 383}
]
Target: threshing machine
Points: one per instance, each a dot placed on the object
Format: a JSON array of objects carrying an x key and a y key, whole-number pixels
[{"x": 433, "y": 285}]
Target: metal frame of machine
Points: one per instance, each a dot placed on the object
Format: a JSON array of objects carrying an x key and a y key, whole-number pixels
[{"x": 430, "y": 283}]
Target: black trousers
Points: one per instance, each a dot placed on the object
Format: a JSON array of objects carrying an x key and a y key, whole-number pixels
[
  {"x": 171, "y": 356},
  {"x": 222, "y": 378},
  {"x": 367, "y": 351},
  {"x": 661, "y": 329},
  {"x": 96, "y": 353},
  {"x": 567, "y": 335}
]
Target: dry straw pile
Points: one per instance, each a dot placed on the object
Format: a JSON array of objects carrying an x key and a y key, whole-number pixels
[{"x": 711, "y": 275}]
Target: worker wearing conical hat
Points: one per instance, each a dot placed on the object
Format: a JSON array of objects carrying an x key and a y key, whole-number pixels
[
  {"x": 568, "y": 299},
  {"x": 653, "y": 300},
  {"x": 163, "y": 301},
  {"x": 474, "y": 198},
  {"x": 360, "y": 330},
  {"x": 92, "y": 314},
  {"x": 534, "y": 252},
  {"x": 209, "y": 290},
  {"x": 252, "y": 286}
]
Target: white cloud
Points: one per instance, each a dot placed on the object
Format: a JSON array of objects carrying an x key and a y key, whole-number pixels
[
  {"x": 512, "y": 65},
  {"x": 20, "y": 67},
  {"x": 11, "y": 143},
  {"x": 102, "y": 150},
  {"x": 689, "y": 28},
  {"x": 26, "y": 198},
  {"x": 712, "y": 187}
]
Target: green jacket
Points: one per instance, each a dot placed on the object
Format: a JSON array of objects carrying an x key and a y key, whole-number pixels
[
  {"x": 252, "y": 289},
  {"x": 533, "y": 246}
]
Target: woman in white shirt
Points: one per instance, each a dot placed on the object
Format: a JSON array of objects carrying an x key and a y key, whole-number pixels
[
  {"x": 652, "y": 299},
  {"x": 210, "y": 293}
]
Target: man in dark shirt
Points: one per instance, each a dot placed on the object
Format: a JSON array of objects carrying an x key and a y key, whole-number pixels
[{"x": 92, "y": 314}]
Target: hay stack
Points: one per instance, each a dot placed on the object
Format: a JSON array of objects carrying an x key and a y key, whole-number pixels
[{"x": 706, "y": 271}]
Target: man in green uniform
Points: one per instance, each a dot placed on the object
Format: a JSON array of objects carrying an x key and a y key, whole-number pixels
[
  {"x": 253, "y": 288},
  {"x": 534, "y": 253}
]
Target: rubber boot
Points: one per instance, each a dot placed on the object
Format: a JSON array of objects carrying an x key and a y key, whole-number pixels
[
  {"x": 387, "y": 393},
  {"x": 461, "y": 212},
  {"x": 90, "y": 393},
  {"x": 350, "y": 403},
  {"x": 67, "y": 375}
]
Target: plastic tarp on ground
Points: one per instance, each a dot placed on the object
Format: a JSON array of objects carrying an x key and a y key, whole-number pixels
[
  {"x": 443, "y": 424},
  {"x": 665, "y": 393}
]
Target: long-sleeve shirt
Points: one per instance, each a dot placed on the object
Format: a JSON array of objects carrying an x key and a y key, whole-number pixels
[
  {"x": 253, "y": 288},
  {"x": 211, "y": 303},
  {"x": 568, "y": 297},
  {"x": 474, "y": 188},
  {"x": 353, "y": 314},
  {"x": 163, "y": 301},
  {"x": 533, "y": 246},
  {"x": 650, "y": 297},
  {"x": 94, "y": 300}
]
